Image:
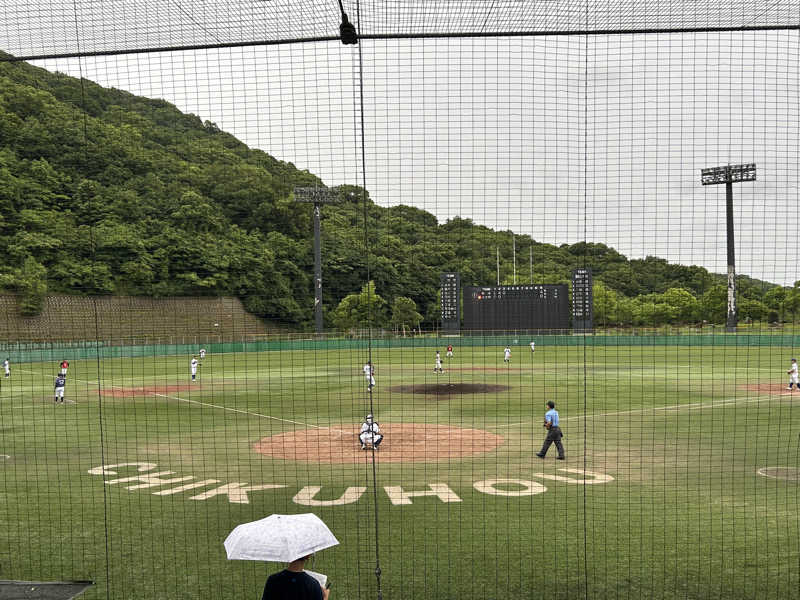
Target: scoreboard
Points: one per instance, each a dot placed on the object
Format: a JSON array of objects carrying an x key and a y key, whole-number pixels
[
  {"x": 514, "y": 307},
  {"x": 451, "y": 305},
  {"x": 582, "y": 301}
]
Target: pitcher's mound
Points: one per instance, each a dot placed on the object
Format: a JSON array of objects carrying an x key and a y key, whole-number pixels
[
  {"x": 402, "y": 442},
  {"x": 448, "y": 389}
]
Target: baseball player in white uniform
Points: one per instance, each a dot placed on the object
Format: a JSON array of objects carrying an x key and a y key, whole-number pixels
[
  {"x": 7, "y": 367},
  {"x": 533, "y": 346},
  {"x": 193, "y": 367},
  {"x": 507, "y": 354},
  {"x": 369, "y": 374},
  {"x": 370, "y": 433},
  {"x": 202, "y": 353},
  {"x": 792, "y": 373},
  {"x": 437, "y": 367}
]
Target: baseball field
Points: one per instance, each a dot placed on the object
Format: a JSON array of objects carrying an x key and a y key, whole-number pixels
[{"x": 680, "y": 479}]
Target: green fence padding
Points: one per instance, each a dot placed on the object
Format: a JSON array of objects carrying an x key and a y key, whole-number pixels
[{"x": 39, "y": 352}]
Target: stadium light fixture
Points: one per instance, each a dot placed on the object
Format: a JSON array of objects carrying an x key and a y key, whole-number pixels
[
  {"x": 729, "y": 174},
  {"x": 318, "y": 196}
]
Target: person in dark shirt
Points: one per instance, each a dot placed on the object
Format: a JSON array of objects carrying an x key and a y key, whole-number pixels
[
  {"x": 294, "y": 584},
  {"x": 60, "y": 383}
]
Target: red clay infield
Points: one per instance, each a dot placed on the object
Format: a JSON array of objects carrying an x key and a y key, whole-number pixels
[
  {"x": 403, "y": 442},
  {"x": 771, "y": 388},
  {"x": 127, "y": 392}
]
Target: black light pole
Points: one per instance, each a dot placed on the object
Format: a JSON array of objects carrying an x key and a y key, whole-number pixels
[
  {"x": 317, "y": 195},
  {"x": 729, "y": 174}
]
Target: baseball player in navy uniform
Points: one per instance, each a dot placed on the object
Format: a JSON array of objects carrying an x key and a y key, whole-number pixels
[{"x": 61, "y": 382}]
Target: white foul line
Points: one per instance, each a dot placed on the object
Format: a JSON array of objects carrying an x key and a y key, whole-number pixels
[
  {"x": 208, "y": 404},
  {"x": 693, "y": 406},
  {"x": 243, "y": 412}
]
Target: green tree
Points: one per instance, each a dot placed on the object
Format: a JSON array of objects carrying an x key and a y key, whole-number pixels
[
  {"x": 683, "y": 303},
  {"x": 714, "y": 304},
  {"x": 404, "y": 314},
  {"x": 32, "y": 285},
  {"x": 361, "y": 310},
  {"x": 606, "y": 304}
]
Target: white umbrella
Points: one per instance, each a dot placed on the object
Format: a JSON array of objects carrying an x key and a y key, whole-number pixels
[{"x": 279, "y": 538}]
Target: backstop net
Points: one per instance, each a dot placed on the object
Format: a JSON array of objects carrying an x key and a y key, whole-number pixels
[{"x": 271, "y": 257}]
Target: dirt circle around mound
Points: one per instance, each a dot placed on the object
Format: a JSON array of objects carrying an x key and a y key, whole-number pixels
[
  {"x": 449, "y": 389},
  {"x": 402, "y": 442},
  {"x": 785, "y": 473},
  {"x": 128, "y": 392}
]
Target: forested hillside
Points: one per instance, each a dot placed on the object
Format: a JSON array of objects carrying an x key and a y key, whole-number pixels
[{"x": 103, "y": 192}]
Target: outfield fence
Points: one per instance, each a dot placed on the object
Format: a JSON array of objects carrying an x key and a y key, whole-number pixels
[{"x": 21, "y": 352}]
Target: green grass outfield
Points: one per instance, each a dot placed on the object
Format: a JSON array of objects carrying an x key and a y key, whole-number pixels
[{"x": 681, "y": 432}]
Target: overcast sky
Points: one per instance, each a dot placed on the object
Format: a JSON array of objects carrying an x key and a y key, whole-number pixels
[{"x": 562, "y": 138}]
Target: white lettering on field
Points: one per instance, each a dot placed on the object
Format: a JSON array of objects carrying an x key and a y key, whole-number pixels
[
  {"x": 597, "y": 477},
  {"x": 398, "y": 496},
  {"x": 236, "y": 492},
  {"x": 148, "y": 480},
  {"x": 107, "y": 469},
  {"x": 305, "y": 497},
  {"x": 529, "y": 488},
  {"x": 188, "y": 486}
]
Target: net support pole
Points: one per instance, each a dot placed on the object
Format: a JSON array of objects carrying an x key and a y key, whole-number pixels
[
  {"x": 317, "y": 271},
  {"x": 729, "y": 174},
  {"x": 317, "y": 196},
  {"x": 732, "y": 318}
]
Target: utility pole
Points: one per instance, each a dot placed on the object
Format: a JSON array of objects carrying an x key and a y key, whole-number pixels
[
  {"x": 318, "y": 196},
  {"x": 514, "y": 254},
  {"x": 729, "y": 174},
  {"x": 531, "y": 249}
]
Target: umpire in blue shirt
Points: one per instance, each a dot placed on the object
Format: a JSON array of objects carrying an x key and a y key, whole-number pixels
[{"x": 554, "y": 434}]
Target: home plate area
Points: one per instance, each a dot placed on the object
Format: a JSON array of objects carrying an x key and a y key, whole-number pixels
[{"x": 403, "y": 442}]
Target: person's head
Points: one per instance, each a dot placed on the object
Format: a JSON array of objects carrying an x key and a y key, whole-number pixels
[
  {"x": 551, "y": 404},
  {"x": 368, "y": 418},
  {"x": 794, "y": 360},
  {"x": 298, "y": 563}
]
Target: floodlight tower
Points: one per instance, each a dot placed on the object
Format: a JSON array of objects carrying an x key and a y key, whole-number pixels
[
  {"x": 729, "y": 174},
  {"x": 319, "y": 196}
]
